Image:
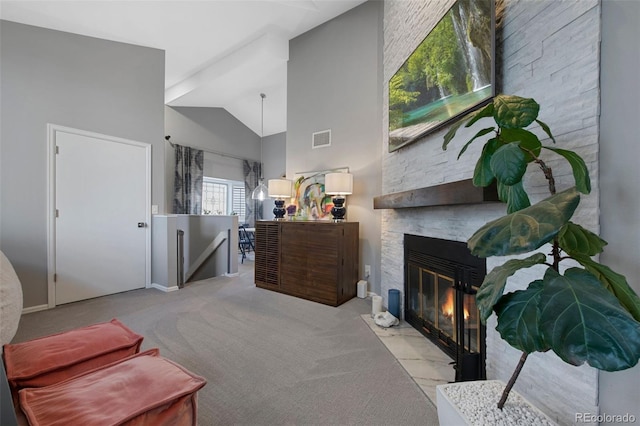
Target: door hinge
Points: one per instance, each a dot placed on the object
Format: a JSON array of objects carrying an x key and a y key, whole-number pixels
[
  {"x": 55, "y": 277},
  {"x": 57, "y": 149},
  {"x": 57, "y": 213}
]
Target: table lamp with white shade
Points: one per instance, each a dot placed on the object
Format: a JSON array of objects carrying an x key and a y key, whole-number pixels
[
  {"x": 279, "y": 189},
  {"x": 338, "y": 185}
]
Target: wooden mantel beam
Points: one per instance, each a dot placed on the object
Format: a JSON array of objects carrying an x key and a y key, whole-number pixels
[{"x": 447, "y": 194}]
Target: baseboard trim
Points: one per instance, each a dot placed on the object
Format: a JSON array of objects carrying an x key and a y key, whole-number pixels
[
  {"x": 163, "y": 288},
  {"x": 38, "y": 308},
  {"x": 32, "y": 309},
  {"x": 232, "y": 274}
]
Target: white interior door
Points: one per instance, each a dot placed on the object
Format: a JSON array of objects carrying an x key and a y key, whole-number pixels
[{"x": 101, "y": 202}]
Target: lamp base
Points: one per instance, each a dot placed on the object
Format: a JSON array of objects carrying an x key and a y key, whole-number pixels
[
  {"x": 338, "y": 211},
  {"x": 279, "y": 210}
]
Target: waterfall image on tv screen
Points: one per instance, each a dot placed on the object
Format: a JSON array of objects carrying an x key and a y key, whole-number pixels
[{"x": 449, "y": 74}]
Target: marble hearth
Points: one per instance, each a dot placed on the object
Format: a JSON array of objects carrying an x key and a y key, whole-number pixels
[{"x": 422, "y": 360}]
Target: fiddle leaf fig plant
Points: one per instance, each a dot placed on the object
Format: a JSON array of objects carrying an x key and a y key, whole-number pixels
[{"x": 583, "y": 314}]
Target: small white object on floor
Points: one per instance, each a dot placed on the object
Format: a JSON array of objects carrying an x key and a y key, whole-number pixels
[
  {"x": 385, "y": 319},
  {"x": 362, "y": 289},
  {"x": 376, "y": 305}
]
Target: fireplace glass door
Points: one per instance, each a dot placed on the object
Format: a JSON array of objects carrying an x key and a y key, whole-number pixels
[
  {"x": 442, "y": 278},
  {"x": 433, "y": 298},
  {"x": 438, "y": 296},
  {"x": 471, "y": 337}
]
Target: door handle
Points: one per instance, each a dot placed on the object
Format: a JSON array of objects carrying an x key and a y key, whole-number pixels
[{"x": 141, "y": 224}]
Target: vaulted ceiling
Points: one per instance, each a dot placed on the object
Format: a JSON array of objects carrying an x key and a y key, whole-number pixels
[{"x": 218, "y": 53}]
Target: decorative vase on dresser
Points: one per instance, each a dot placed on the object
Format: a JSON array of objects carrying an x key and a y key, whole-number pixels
[{"x": 314, "y": 260}]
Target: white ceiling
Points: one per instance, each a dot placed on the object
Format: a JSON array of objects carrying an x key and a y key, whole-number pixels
[{"x": 219, "y": 53}]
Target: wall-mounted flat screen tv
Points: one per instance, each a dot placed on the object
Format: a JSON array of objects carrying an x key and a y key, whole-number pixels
[{"x": 451, "y": 73}]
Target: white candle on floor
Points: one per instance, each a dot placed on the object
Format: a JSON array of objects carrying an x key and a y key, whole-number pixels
[{"x": 376, "y": 305}]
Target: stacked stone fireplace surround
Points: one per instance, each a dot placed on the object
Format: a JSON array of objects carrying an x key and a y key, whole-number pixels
[{"x": 546, "y": 50}]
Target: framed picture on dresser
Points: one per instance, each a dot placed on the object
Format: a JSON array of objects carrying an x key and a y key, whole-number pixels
[{"x": 310, "y": 199}]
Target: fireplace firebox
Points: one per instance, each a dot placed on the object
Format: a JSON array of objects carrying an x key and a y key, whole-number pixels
[{"x": 441, "y": 280}]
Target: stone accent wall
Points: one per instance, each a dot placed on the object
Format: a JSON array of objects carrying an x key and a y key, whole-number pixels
[{"x": 546, "y": 50}]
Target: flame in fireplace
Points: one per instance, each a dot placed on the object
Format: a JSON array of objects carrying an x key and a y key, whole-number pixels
[{"x": 448, "y": 306}]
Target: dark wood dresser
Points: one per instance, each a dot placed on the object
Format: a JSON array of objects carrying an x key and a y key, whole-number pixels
[{"x": 313, "y": 260}]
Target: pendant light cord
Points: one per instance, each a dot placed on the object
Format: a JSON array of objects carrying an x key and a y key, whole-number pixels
[
  {"x": 262, "y": 95},
  {"x": 261, "y": 191}
]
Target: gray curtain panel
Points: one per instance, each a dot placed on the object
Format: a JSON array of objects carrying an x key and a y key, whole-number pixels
[
  {"x": 187, "y": 186},
  {"x": 253, "y": 209}
]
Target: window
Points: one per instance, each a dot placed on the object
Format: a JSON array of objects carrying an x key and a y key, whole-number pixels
[
  {"x": 223, "y": 197},
  {"x": 239, "y": 202},
  {"x": 214, "y": 197}
]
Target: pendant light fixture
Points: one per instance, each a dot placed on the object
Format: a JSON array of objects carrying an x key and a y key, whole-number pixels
[{"x": 261, "y": 192}]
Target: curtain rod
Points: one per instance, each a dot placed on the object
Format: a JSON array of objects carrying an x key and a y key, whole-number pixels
[{"x": 210, "y": 151}]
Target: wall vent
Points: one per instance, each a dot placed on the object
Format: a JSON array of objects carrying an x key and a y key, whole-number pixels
[{"x": 321, "y": 139}]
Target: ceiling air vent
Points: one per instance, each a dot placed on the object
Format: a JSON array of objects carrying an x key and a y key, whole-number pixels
[{"x": 321, "y": 139}]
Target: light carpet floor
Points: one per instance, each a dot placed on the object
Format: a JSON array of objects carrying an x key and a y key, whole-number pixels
[{"x": 269, "y": 359}]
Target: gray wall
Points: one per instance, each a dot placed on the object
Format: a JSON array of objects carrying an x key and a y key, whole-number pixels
[
  {"x": 219, "y": 166},
  {"x": 619, "y": 176},
  {"x": 211, "y": 128},
  {"x": 335, "y": 82},
  {"x": 275, "y": 166},
  {"x": 81, "y": 82}
]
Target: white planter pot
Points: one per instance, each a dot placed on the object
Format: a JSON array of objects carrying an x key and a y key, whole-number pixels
[{"x": 476, "y": 403}]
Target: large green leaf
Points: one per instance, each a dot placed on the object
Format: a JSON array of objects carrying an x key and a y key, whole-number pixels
[
  {"x": 614, "y": 282},
  {"x": 472, "y": 117},
  {"x": 518, "y": 317},
  {"x": 528, "y": 141},
  {"x": 583, "y": 322},
  {"x": 518, "y": 198},
  {"x": 448, "y": 137},
  {"x": 477, "y": 135},
  {"x": 514, "y": 112},
  {"x": 546, "y": 129},
  {"x": 527, "y": 229},
  {"x": 484, "y": 112},
  {"x": 508, "y": 164},
  {"x": 482, "y": 175},
  {"x": 578, "y": 166},
  {"x": 493, "y": 285},
  {"x": 514, "y": 195},
  {"x": 576, "y": 240},
  {"x": 503, "y": 192}
]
